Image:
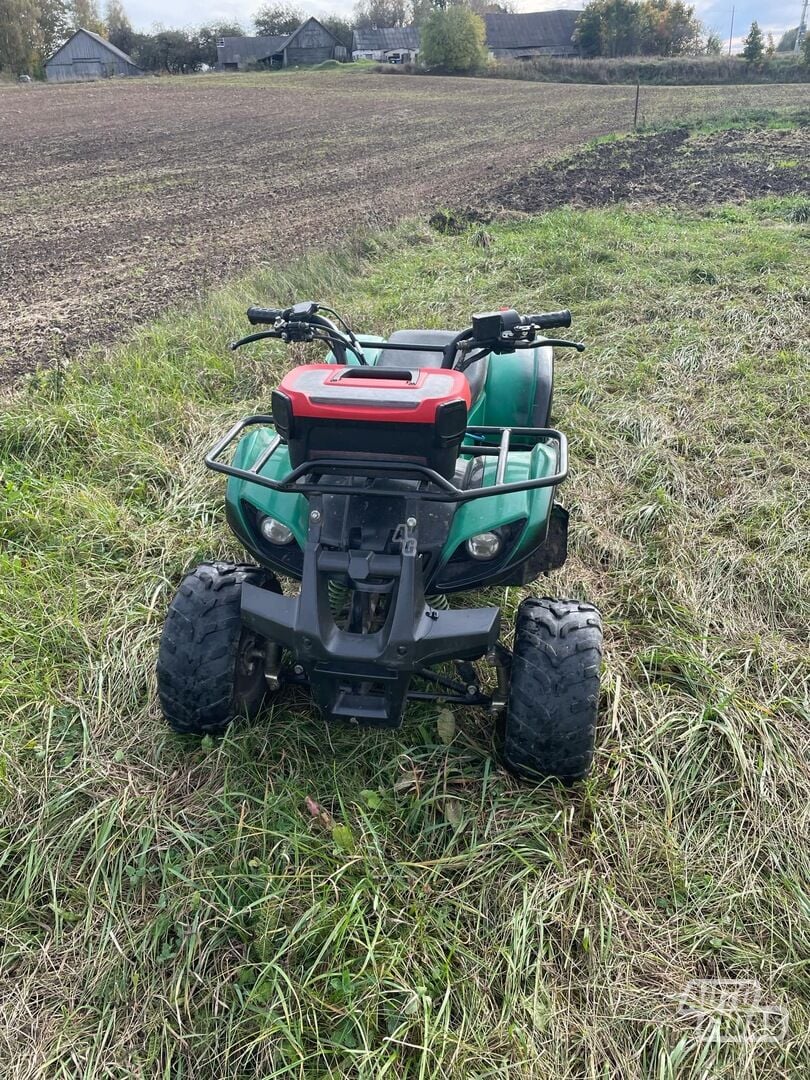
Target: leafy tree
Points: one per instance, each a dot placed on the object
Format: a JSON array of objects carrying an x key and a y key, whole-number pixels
[
  {"x": 626, "y": 28},
  {"x": 273, "y": 19},
  {"x": 373, "y": 14},
  {"x": 713, "y": 45},
  {"x": 805, "y": 51},
  {"x": 668, "y": 28},
  {"x": 119, "y": 28},
  {"x": 588, "y": 31},
  {"x": 753, "y": 46},
  {"x": 420, "y": 10},
  {"x": 84, "y": 14},
  {"x": 175, "y": 51},
  {"x": 453, "y": 39},
  {"x": 490, "y": 7},
  {"x": 609, "y": 28},
  {"x": 207, "y": 37},
  {"x": 19, "y": 35},
  {"x": 340, "y": 27},
  {"x": 54, "y": 25}
]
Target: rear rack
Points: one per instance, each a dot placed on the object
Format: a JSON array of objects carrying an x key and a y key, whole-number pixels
[{"x": 295, "y": 481}]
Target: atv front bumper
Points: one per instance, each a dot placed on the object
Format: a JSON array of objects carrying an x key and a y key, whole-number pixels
[{"x": 364, "y": 678}]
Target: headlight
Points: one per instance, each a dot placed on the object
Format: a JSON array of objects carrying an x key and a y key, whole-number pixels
[
  {"x": 484, "y": 545},
  {"x": 274, "y": 531}
]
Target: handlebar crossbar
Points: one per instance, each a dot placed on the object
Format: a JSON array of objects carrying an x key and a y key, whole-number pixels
[{"x": 402, "y": 346}]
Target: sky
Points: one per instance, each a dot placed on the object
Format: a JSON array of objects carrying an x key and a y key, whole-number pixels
[{"x": 775, "y": 16}]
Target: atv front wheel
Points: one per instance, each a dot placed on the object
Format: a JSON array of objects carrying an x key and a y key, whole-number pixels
[
  {"x": 554, "y": 695},
  {"x": 210, "y": 668}
]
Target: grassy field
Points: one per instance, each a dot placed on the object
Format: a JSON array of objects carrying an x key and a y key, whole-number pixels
[{"x": 171, "y": 909}]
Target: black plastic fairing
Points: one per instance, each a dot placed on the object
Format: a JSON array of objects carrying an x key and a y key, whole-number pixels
[{"x": 364, "y": 677}]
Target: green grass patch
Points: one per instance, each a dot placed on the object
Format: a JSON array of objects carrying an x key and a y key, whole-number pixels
[
  {"x": 662, "y": 71},
  {"x": 735, "y": 119},
  {"x": 171, "y": 909},
  {"x": 783, "y": 119}
]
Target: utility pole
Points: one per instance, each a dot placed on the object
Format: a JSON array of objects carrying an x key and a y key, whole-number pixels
[
  {"x": 731, "y": 31},
  {"x": 802, "y": 30}
]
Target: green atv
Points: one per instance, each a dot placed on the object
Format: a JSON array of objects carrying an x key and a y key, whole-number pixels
[{"x": 389, "y": 477}]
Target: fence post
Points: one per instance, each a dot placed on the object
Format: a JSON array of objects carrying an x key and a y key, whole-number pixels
[{"x": 635, "y": 113}]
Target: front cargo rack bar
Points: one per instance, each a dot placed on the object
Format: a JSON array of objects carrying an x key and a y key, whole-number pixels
[{"x": 301, "y": 480}]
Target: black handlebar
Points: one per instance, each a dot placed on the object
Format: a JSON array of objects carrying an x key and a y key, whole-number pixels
[
  {"x": 550, "y": 319},
  {"x": 258, "y": 316},
  {"x": 492, "y": 331}
]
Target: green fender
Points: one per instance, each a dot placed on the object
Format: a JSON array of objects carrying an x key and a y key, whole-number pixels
[
  {"x": 518, "y": 390},
  {"x": 532, "y": 507},
  {"x": 289, "y": 509}
]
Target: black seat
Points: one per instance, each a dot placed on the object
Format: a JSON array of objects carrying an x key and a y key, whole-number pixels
[{"x": 394, "y": 358}]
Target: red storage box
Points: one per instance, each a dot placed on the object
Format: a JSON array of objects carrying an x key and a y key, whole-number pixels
[{"x": 414, "y": 415}]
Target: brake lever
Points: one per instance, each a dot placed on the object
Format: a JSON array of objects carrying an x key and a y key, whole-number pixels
[
  {"x": 529, "y": 339},
  {"x": 509, "y": 345},
  {"x": 287, "y": 332},
  {"x": 558, "y": 343},
  {"x": 260, "y": 335}
]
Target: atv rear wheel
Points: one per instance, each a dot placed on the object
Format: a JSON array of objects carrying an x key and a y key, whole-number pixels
[
  {"x": 210, "y": 668},
  {"x": 554, "y": 694}
]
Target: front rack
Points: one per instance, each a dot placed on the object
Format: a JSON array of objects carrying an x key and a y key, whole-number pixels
[{"x": 296, "y": 481}]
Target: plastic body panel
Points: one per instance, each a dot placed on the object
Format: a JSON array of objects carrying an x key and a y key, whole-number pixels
[
  {"x": 318, "y": 390},
  {"x": 518, "y": 390},
  {"x": 532, "y": 508},
  {"x": 517, "y": 393},
  {"x": 420, "y": 415}
]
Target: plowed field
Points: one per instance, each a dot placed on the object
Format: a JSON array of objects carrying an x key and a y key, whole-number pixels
[{"x": 118, "y": 198}]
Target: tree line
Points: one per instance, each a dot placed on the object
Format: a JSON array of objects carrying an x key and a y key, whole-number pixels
[
  {"x": 668, "y": 28},
  {"x": 453, "y": 31},
  {"x": 32, "y": 30}
]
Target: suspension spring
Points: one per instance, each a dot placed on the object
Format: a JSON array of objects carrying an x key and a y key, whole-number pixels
[
  {"x": 439, "y": 602},
  {"x": 338, "y": 596}
]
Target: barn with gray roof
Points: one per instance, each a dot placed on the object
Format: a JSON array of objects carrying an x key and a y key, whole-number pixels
[
  {"x": 383, "y": 42},
  {"x": 518, "y": 37},
  {"x": 532, "y": 33},
  {"x": 311, "y": 43},
  {"x": 86, "y": 56}
]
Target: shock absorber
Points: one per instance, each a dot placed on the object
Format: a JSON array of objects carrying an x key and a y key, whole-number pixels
[
  {"x": 439, "y": 602},
  {"x": 338, "y": 595}
]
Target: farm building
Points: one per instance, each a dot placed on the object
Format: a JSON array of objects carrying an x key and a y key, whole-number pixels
[
  {"x": 85, "y": 56},
  {"x": 532, "y": 33},
  {"x": 311, "y": 43},
  {"x": 394, "y": 43},
  {"x": 519, "y": 37}
]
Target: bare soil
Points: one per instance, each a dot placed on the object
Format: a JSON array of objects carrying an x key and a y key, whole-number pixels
[
  {"x": 118, "y": 198},
  {"x": 671, "y": 168}
]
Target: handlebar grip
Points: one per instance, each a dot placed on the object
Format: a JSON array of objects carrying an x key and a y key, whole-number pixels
[
  {"x": 261, "y": 315},
  {"x": 550, "y": 319}
]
